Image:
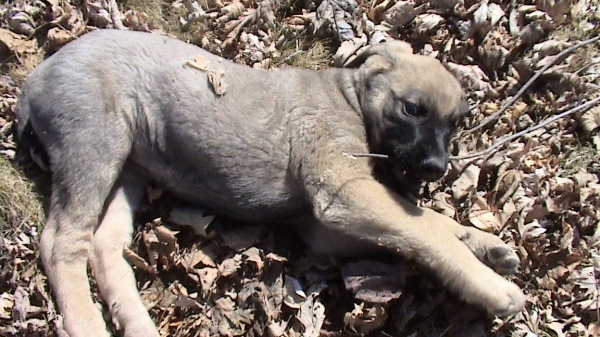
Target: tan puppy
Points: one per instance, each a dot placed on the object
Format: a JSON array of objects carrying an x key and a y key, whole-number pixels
[{"x": 116, "y": 110}]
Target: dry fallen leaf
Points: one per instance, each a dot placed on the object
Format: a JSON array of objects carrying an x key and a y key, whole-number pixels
[
  {"x": 365, "y": 320},
  {"x": 136, "y": 260},
  {"x": 199, "y": 62},
  {"x": 194, "y": 218},
  {"x": 374, "y": 282},
  {"x": 16, "y": 43},
  {"x": 481, "y": 216},
  {"x": 590, "y": 120},
  {"x": 59, "y": 37},
  {"x": 216, "y": 79},
  {"x": 466, "y": 182}
]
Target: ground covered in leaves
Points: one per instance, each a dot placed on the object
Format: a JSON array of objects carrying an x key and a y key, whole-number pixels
[{"x": 539, "y": 192}]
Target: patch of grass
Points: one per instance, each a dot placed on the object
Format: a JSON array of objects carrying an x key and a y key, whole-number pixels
[
  {"x": 154, "y": 9},
  {"x": 162, "y": 14},
  {"x": 18, "y": 71},
  {"x": 580, "y": 157},
  {"x": 302, "y": 53},
  {"x": 19, "y": 201},
  {"x": 573, "y": 30}
]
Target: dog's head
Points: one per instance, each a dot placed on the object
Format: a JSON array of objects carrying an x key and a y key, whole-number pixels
[{"x": 411, "y": 105}]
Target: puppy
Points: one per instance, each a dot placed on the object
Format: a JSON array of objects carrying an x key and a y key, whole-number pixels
[{"x": 117, "y": 110}]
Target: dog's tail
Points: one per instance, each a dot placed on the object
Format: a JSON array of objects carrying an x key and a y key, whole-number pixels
[{"x": 28, "y": 143}]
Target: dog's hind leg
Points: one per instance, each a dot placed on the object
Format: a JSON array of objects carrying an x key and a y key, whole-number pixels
[
  {"x": 64, "y": 246},
  {"x": 86, "y": 163},
  {"x": 114, "y": 275}
]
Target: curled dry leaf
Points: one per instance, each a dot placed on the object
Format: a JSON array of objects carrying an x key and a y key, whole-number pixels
[
  {"x": 311, "y": 314},
  {"x": 466, "y": 182},
  {"x": 7, "y": 302},
  {"x": 230, "y": 265},
  {"x": 16, "y": 43},
  {"x": 21, "y": 22},
  {"x": 472, "y": 78},
  {"x": 347, "y": 51},
  {"x": 58, "y": 37},
  {"x": 494, "y": 49},
  {"x": 231, "y": 11},
  {"x": 487, "y": 16},
  {"x": 590, "y": 121},
  {"x": 135, "y": 20},
  {"x": 217, "y": 81},
  {"x": 253, "y": 255},
  {"x": 374, "y": 282},
  {"x": 364, "y": 320},
  {"x": 205, "y": 256},
  {"x": 440, "y": 203},
  {"x": 194, "y": 218},
  {"x": 293, "y": 295},
  {"x": 208, "y": 276},
  {"x": 428, "y": 24},
  {"x": 195, "y": 13},
  {"x": 134, "y": 259},
  {"x": 481, "y": 216},
  {"x": 242, "y": 237}
]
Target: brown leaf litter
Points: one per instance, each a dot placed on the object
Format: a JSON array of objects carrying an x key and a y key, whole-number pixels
[{"x": 203, "y": 275}]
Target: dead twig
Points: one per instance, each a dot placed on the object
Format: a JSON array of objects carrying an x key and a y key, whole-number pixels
[
  {"x": 539, "y": 73},
  {"x": 115, "y": 15},
  {"x": 371, "y": 155},
  {"x": 528, "y": 130}
]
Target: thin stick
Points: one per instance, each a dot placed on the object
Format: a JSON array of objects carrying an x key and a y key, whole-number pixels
[
  {"x": 528, "y": 130},
  {"x": 115, "y": 15},
  {"x": 372, "y": 155},
  {"x": 539, "y": 73}
]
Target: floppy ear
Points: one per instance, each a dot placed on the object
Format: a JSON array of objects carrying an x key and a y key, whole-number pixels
[{"x": 380, "y": 57}]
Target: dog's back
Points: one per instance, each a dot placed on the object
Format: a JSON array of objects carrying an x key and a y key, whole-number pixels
[{"x": 136, "y": 92}]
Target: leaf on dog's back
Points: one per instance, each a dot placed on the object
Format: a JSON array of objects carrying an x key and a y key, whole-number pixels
[
  {"x": 216, "y": 79},
  {"x": 199, "y": 62}
]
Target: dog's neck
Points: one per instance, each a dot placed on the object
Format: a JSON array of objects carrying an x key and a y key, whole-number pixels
[{"x": 345, "y": 81}]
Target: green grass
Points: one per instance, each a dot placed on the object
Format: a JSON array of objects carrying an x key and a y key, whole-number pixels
[
  {"x": 19, "y": 200},
  {"x": 580, "y": 156}
]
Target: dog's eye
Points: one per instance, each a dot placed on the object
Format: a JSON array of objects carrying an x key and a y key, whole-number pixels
[{"x": 411, "y": 110}]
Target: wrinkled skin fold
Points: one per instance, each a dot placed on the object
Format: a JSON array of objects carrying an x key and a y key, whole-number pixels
[{"x": 114, "y": 111}]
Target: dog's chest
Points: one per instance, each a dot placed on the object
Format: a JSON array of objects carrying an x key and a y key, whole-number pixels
[
  {"x": 249, "y": 192},
  {"x": 222, "y": 164}
]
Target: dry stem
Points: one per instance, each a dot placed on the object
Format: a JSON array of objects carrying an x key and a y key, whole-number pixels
[{"x": 539, "y": 73}]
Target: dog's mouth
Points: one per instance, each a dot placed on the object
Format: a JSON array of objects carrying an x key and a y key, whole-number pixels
[{"x": 408, "y": 182}]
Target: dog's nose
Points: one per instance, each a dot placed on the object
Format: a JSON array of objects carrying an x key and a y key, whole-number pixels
[{"x": 433, "y": 168}]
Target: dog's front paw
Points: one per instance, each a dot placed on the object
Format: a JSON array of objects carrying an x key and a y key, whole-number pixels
[
  {"x": 502, "y": 259},
  {"x": 495, "y": 294},
  {"x": 491, "y": 250}
]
